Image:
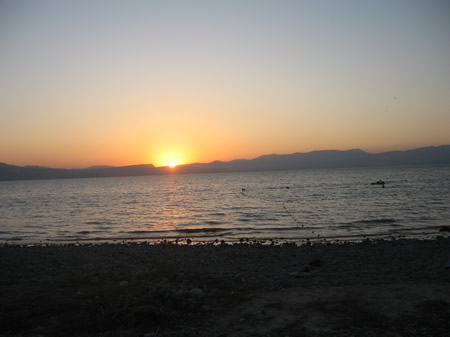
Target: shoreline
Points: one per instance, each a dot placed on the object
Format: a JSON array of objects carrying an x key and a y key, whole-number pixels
[
  {"x": 375, "y": 287},
  {"x": 442, "y": 233}
]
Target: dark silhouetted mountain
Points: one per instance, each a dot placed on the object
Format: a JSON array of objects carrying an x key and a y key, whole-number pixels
[
  {"x": 11, "y": 172},
  {"x": 432, "y": 155},
  {"x": 439, "y": 155},
  {"x": 327, "y": 159}
]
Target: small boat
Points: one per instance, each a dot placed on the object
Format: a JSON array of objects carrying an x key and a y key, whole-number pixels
[{"x": 379, "y": 182}]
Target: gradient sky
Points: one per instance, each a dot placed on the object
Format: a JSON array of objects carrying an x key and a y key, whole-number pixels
[{"x": 126, "y": 82}]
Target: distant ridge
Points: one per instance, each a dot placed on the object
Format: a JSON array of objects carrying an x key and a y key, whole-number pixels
[
  {"x": 433, "y": 155},
  {"x": 11, "y": 172}
]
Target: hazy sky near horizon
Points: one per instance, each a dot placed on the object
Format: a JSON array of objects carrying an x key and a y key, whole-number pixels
[{"x": 125, "y": 82}]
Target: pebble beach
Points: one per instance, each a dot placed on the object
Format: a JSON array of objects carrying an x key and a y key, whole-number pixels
[{"x": 370, "y": 288}]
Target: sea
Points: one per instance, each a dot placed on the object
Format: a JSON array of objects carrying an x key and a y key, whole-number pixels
[{"x": 319, "y": 205}]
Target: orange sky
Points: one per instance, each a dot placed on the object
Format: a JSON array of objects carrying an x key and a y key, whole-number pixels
[{"x": 82, "y": 84}]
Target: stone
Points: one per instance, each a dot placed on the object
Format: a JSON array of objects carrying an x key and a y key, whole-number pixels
[{"x": 196, "y": 292}]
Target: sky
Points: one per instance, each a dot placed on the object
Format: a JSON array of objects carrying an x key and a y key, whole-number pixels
[{"x": 93, "y": 82}]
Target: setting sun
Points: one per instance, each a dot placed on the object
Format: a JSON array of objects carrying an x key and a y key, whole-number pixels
[{"x": 170, "y": 159}]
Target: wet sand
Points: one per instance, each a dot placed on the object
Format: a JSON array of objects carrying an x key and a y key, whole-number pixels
[{"x": 383, "y": 288}]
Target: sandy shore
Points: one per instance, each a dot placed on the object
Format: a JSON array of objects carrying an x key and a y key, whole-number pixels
[{"x": 387, "y": 288}]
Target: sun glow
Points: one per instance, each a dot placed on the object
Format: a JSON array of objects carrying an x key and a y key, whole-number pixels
[{"x": 170, "y": 159}]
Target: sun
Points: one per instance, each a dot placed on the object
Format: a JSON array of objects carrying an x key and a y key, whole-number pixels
[{"x": 170, "y": 159}]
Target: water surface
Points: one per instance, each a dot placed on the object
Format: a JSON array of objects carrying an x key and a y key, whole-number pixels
[{"x": 313, "y": 204}]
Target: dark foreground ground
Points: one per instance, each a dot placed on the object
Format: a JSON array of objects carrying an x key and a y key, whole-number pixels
[{"x": 388, "y": 288}]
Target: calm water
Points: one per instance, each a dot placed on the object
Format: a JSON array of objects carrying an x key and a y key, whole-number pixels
[{"x": 291, "y": 205}]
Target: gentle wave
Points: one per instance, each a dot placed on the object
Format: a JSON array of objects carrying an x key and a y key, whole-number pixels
[
  {"x": 319, "y": 203},
  {"x": 201, "y": 230},
  {"x": 373, "y": 221},
  {"x": 89, "y": 232}
]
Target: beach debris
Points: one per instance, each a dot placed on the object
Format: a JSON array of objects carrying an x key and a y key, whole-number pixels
[
  {"x": 188, "y": 241},
  {"x": 316, "y": 263},
  {"x": 300, "y": 274},
  {"x": 196, "y": 292},
  {"x": 444, "y": 229},
  {"x": 153, "y": 334},
  {"x": 308, "y": 270}
]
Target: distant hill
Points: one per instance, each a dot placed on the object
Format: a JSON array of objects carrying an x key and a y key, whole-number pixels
[
  {"x": 439, "y": 155},
  {"x": 11, "y": 172}
]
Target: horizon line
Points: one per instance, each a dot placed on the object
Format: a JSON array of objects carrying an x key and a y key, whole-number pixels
[{"x": 200, "y": 163}]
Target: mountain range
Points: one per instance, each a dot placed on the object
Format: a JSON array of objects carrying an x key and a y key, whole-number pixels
[{"x": 427, "y": 156}]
